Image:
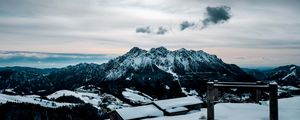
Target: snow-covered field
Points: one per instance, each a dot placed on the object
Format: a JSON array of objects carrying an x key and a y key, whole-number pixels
[
  {"x": 289, "y": 109},
  {"x": 33, "y": 99},
  {"x": 91, "y": 98},
  {"x": 136, "y": 96}
]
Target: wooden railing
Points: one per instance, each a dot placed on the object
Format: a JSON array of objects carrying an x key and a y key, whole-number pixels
[{"x": 212, "y": 93}]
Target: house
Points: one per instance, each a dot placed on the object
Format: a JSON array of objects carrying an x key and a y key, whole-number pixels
[
  {"x": 140, "y": 112},
  {"x": 159, "y": 108},
  {"x": 178, "y": 106}
]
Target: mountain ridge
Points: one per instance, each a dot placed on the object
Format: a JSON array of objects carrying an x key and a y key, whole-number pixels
[
  {"x": 283, "y": 75},
  {"x": 149, "y": 71}
]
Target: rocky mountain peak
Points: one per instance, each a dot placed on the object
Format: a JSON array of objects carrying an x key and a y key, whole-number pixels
[
  {"x": 136, "y": 51},
  {"x": 183, "y": 50},
  {"x": 160, "y": 49},
  {"x": 175, "y": 63}
]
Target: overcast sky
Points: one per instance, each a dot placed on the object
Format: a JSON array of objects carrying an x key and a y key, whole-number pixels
[{"x": 257, "y": 32}]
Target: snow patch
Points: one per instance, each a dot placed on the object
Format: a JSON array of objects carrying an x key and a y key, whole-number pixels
[
  {"x": 136, "y": 96},
  {"x": 177, "y": 102}
]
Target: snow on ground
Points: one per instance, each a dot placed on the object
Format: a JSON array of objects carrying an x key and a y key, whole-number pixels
[
  {"x": 190, "y": 93},
  {"x": 32, "y": 96},
  {"x": 136, "y": 96},
  {"x": 91, "y": 98},
  {"x": 31, "y": 99},
  {"x": 10, "y": 91},
  {"x": 288, "y": 110},
  {"x": 112, "y": 103},
  {"x": 293, "y": 73}
]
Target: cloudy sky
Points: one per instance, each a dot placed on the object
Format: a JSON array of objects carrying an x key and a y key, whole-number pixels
[{"x": 249, "y": 33}]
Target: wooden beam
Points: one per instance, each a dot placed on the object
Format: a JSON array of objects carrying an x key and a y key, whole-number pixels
[
  {"x": 212, "y": 87},
  {"x": 258, "y": 93},
  {"x": 238, "y": 83},
  {"x": 210, "y": 101},
  {"x": 216, "y": 94},
  {"x": 242, "y": 86},
  {"x": 273, "y": 101}
]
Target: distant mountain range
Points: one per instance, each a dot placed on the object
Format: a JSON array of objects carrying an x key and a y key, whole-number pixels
[
  {"x": 158, "y": 72},
  {"x": 283, "y": 75}
]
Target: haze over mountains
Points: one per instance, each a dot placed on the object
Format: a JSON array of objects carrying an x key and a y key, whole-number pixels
[{"x": 49, "y": 60}]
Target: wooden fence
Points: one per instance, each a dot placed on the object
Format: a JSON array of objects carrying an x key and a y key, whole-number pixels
[{"x": 212, "y": 93}]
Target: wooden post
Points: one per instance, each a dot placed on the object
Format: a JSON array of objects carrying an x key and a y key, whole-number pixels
[
  {"x": 258, "y": 92},
  {"x": 273, "y": 101},
  {"x": 210, "y": 101},
  {"x": 216, "y": 94}
]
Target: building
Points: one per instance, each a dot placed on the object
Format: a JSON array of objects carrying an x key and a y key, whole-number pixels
[
  {"x": 178, "y": 106},
  {"x": 168, "y": 107},
  {"x": 140, "y": 112}
]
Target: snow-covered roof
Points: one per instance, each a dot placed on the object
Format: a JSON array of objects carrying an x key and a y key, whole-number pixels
[
  {"x": 139, "y": 112},
  {"x": 176, "y": 109},
  {"x": 178, "y": 102}
]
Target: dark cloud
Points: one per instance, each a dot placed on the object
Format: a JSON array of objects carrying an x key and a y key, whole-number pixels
[
  {"x": 215, "y": 15},
  {"x": 143, "y": 30},
  {"x": 161, "y": 30},
  {"x": 186, "y": 24}
]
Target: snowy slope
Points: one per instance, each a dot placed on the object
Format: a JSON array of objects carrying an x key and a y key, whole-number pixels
[
  {"x": 31, "y": 99},
  {"x": 136, "y": 96},
  {"x": 284, "y": 73},
  {"x": 291, "y": 74},
  {"x": 92, "y": 98}
]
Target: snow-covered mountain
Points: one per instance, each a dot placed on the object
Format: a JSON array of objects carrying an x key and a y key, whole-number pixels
[
  {"x": 288, "y": 75},
  {"x": 157, "y": 72},
  {"x": 177, "y": 63},
  {"x": 163, "y": 73}
]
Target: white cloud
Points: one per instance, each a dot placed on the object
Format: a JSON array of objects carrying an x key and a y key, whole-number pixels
[{"x": 108, "y": 26}]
